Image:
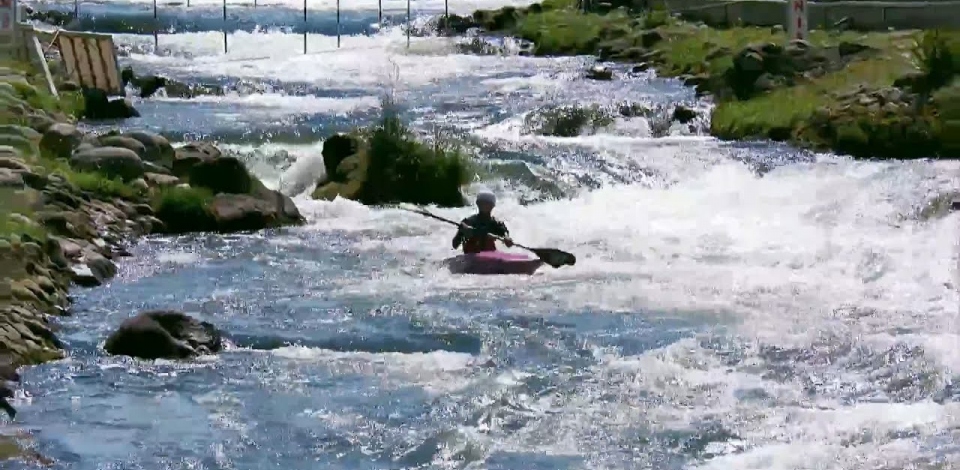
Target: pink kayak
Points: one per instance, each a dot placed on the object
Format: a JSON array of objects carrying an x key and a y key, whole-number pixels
[{"x": 493, "y": 262}]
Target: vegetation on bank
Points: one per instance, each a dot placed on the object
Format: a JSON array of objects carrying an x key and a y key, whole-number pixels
[
  {"x": 388, "y": 163},
  {"x": 879, "y": 94}
]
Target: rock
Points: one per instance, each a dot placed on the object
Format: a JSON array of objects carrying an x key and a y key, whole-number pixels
[
  {"x": 22, "y": 145},
  {"x": 164, "y": 335},
  {"x": 650, "y": 38},
  {"x": 336, "y": 148},
  {"x": 189, "y": 155},
  {"x": 93, "y": 269},
  {"x": 98, "y": 106},
  {"x": 226, "y": 174},
  {"x": 158, "y": 149},
  {"x": 13, "y": 163},
  {"x": 599, "y": 72},
  {"x": 10, "y": 179},
  {"x": 7, "y": 151},
  {"x": 241, "y": 212},
  {"x": 140, "y": 185},
  {"x": 60, "y": 140},
  {"x": 160, "y": 181},
  {"x": 128, "y": 143},
  {"x": 640, "y": 68},
  {"x": 20, "y": 131},
  {"x": 683, "y": 114},
  {"x": 113, "y": 162}
]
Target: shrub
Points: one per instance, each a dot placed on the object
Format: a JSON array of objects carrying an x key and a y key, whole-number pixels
[
  {"x": 404, "y": 169},
  {"x": 937, "y": 55}
]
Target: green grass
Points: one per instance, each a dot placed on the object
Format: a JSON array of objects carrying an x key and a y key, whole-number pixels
[
  {"x": 184, "y": 209},
  {"x": 38, "y": 97},
  {"x": 403, "y": 168},
  {"x": 567, "y": 31},
  {"x": 103, "y": 187}
]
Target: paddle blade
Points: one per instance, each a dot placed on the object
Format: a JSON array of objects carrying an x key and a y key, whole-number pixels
[{"x": 555, "y": 257}]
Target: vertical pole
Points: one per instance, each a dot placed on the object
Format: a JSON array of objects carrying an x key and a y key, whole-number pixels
[
  {"x": 76, "y": 9},
  {"x": 224, "y": 26},
  {"x": 188, "y": 3},
  {"x": 380, "y": 14},
  {"x": 156, "y": 40},
  {"x": 796, "y": 20},
  {"x": 446, "y": 14},
  {"x": 304, "y": 26},
  {"x": 338, "y": 24},
  {"x": 408, "y": 24}
]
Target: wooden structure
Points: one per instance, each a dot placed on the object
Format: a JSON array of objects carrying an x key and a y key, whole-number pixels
[{"x": 90, "y": 60}]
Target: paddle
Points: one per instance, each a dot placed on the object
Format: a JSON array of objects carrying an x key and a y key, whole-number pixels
[{"x": 552, "y": 256}]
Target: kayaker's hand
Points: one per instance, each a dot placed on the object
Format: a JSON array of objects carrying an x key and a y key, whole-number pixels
[{"x": 508, "y": 242}]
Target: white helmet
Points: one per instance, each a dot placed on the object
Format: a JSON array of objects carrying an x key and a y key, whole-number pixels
[{"x": 488, "y": 197}]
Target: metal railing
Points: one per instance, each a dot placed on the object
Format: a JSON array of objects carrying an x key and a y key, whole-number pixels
[{"x": 226, "y": 33}]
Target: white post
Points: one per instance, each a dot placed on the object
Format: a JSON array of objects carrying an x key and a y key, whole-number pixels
[{"x": 797, "y": 20}]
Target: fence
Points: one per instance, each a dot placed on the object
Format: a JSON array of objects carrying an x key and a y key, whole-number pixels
[{"x": 156, "y": 10}]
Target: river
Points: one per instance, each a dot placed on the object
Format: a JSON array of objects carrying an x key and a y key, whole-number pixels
[{"x": 734, "y": 306}]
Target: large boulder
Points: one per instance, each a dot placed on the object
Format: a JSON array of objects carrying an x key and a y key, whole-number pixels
[
  {"x": 99, "y": 106},
  {"x": 111, "y": 161},
  {"x": 120, "y": 141},
  {"x": 222, "y": 195},
  {"x": 60, "y": 140},
  {"x": 336, "y": 149},
  {"x": 225, "y": 174},
  {"x": 189, "y": 155},
  {"x": 162, "y": 334},
  {"x": 157, "y": 148}
]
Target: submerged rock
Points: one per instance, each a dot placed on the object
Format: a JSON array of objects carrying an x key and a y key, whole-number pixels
[{"x": 164, "y": 334}]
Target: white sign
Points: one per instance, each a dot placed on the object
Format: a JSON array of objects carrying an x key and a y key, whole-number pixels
[{"x": 796, "y": 20}]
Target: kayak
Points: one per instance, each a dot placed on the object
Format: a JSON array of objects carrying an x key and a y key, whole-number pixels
[{"x": 493, "y": 262}]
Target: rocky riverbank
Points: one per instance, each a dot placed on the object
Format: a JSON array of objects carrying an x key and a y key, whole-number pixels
[
  {"x": 71, "y": 202},
  {"x": 869, "y": 95}
]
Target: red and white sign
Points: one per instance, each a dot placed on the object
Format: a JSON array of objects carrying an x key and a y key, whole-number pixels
[{"x": 797, "y": 19}]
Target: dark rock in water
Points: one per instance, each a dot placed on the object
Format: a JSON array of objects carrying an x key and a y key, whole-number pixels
[
  {"x": 191, "y": 154},
  {"x": 240, "y": 201},
  {"x": 50, "y": 17},
  {"x": 164, "y": 334},
  {"x": 683, "y": 114},
  {"x": 955, "y": 204},
  {"x": 99, "y": 106},
  {"x": 221, "y": 175},
  {"x": 241, "y": 212},
  {"x": 93, "y": 270},
  {"x": 113, "y": 162},
  {"x": 336, "y": 149},
  {"x": 150, "y": 84},
  {"x": 455, "y": 25},
  {"x": 8, "y": 373},
  {"x": 599, "y": 72}
]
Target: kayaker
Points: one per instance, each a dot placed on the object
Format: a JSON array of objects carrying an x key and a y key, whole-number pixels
[{"x": 475, "y": 238}]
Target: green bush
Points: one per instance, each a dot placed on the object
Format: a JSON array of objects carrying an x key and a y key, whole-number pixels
[
  {"x": 937, "y": 55},
  {"x": 404, "y": 169},
  {"x": 184, "y": 209}
]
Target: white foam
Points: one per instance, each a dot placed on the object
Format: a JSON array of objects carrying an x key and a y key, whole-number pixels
[{"x": 276, "y": 103}]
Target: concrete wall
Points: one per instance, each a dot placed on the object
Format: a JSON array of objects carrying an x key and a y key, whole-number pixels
[{"x": 867, "y": 15}]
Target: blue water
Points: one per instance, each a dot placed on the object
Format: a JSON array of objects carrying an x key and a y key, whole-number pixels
[{"x": 734, "y": 306}]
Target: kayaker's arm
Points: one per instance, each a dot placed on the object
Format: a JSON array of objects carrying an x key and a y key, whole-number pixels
[{"x": 501, "y": 230}]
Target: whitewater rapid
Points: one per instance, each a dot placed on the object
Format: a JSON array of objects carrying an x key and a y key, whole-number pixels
[{"x": 734, "y": 306}]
